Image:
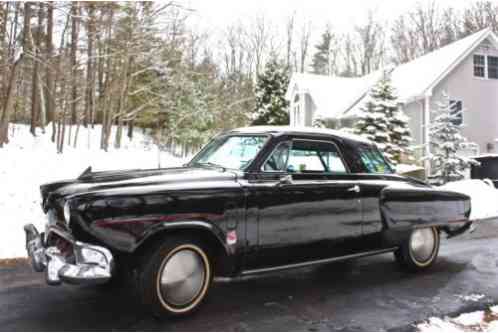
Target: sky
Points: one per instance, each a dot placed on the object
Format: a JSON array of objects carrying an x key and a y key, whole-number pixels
[{"x": 341, "y": 14}]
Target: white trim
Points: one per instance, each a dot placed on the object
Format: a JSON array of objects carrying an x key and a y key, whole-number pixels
[{"x": 426, "y": 140}]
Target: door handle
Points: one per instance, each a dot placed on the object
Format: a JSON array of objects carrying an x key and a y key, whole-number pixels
[
  {"x": 355, "y": 189},
  {"x": 285, "y": 180}
]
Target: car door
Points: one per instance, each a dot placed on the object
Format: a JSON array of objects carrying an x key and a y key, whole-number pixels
[{"x": 308, "y": 204}]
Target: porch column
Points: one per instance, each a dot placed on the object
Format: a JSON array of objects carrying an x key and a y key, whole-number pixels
[{"x": 426, "y": 139}]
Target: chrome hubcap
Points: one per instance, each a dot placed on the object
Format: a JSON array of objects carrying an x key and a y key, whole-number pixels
[
  {"x": 182, "y": 277},
  {"x": 422, "y": 243}
]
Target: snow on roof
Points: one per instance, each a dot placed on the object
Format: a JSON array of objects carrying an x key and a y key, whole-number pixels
[
  {"x": 298, "y": 129},
  {"x": 413, "y": 78},
  {"x": 484, "y": 156},
  {"x": 331, "y": 95},
  {"x": 335, "y": 97}
]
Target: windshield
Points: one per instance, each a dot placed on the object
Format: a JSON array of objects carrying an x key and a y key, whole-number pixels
[
  {"x": 231, "y": 152},
  {"x": 374, "y": 161}
]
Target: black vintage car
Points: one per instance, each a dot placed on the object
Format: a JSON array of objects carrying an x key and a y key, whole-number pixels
[{"x": 254, "y": 200}]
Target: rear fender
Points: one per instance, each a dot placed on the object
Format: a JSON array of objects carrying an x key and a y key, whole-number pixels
[
  {"x": 404, "y": 209},
  {"x": 422, "y": 207}
]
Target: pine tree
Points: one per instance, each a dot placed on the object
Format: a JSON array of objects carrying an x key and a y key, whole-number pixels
[
  {"x": 382, "y": 121},
  {"x": 322, "y": 59},
  {"x": 400, "y": 136},
  {"x": 445, "y": 142},
  {"x": 271, "y": 105}
]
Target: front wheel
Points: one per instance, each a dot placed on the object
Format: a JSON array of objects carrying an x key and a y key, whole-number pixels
[
  {"x": 175, "y": 277},
  {"x": 420, "y": 251}
]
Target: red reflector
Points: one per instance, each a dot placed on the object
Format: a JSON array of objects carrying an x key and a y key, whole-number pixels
[{"x": 231, "y": 237}]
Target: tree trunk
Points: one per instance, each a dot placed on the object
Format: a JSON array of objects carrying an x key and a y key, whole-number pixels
[
  {"x": 130, "y": 129},
  {"x": 28, "y": 50},
  {"x": 4, "y": 52},
  {"x": 49, "y": 81},
  {"x": 40, "y": 109},
  {"x": 74, "y": 48},
  {"x": 90, "y": 71},
  {"x": 9, "y": 103}
]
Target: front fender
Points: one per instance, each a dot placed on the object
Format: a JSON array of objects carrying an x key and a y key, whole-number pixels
[{"x": 210, "y": 228}]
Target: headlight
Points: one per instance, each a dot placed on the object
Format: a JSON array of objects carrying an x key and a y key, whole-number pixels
[{"x": 67, "y": 212}]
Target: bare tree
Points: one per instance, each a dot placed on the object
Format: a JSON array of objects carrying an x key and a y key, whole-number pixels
[
  {"x": 480, "y": 15},
  {"x": 289, "y": 28},
  {"x": 427, "y": 25},
  {"x": 304, "y": 43},
  {"x": 49, "y": 80},
  {"x": 370, "y": 45},
  {"x": 9, "y": 102},
  {"x": 404, "y": 41},
  {"x": 450, "y": 29},
  {"x": 90, "y": 67},
  {"x": 75, "y": 25},
  {"x": 259, "y": 36}
]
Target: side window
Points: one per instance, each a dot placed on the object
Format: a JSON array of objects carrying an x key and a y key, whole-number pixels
[
  {"x": 278, "y": 158},
  {"x": 333, "y": 161},
  {"x": 305, "y": 160},
  {"x": 303, "y": 156},
  {"x": 374, "y": 161}
]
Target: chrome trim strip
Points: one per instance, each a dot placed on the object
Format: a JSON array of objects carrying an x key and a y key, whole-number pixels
[{"x": 316, "y": 262}]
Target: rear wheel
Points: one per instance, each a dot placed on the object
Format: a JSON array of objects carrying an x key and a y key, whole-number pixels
[
  {"x": 420, "y": 251},
  {"x": 175, "y": 277}
]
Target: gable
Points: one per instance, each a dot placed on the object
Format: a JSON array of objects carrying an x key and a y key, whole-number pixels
[{"x": 416, "y": 78}]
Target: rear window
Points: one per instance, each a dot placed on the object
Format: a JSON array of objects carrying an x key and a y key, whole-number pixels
[{"x": 374, "y": 161}]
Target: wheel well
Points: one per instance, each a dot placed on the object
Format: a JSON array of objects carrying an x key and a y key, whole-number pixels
[{"x": 214, "y": 245}]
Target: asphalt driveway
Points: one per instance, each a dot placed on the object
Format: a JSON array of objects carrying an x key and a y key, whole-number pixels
[{"x": 367, "y": 294}]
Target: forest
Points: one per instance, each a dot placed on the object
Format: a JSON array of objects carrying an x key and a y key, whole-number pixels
[{"x": 67, "y": 66}]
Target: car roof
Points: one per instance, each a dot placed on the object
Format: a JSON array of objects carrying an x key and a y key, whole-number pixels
[{"x": 301, "y": 131}]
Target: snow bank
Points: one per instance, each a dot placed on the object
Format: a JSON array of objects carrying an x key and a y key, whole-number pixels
[
  {"x": 407, "y": 168},
  {"x": 478, "y": 321},
  {"x": 27, "y": 162},
  {"x": 483, "y": 197}
]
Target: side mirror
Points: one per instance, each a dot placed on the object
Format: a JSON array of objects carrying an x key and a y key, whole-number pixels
[{"x": 285, "y": 180}]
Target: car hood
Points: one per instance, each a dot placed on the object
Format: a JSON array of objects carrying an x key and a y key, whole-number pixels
[{"x": 135, "y": 181}]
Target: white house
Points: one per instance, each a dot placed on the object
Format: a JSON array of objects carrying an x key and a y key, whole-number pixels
[{"x": 467, "y": 70}]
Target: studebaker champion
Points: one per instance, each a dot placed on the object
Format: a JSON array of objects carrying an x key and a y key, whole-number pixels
[{"x": 253, "y": 200}]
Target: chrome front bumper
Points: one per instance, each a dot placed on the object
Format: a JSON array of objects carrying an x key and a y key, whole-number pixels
[{"x": 92, "y": 264}]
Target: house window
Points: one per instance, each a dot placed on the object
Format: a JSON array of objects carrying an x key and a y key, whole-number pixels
[
  {"x": 296, "y": 110},
  {"x": 479, "y": 65},
  {"x": 457, "y": 112},
  {"x": 492, "y": 67}
]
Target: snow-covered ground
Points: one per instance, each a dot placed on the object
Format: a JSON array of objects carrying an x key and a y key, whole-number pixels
[
  {"x": 478, "y": 321},
  {"x": 483, "y": 197},
  {"x": 27, "y": 162}
]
